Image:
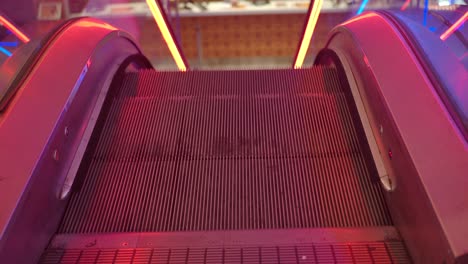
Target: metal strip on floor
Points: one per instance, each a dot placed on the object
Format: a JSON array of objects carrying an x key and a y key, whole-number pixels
[
  {"x": 318, "y": 245},
  {"x": 355, "y": 253}
]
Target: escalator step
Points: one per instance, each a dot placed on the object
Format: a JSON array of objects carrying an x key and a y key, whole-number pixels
[
  {"x": 275, "y": 152},
  {"x": 232, "y": 127},
  {"x": 149, "y": 83}
]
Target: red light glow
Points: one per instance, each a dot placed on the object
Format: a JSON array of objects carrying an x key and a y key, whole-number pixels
[
  {"x": 94, "y": 24},
  {"x": 358, "y": 18},
  {"x": 366, "y": 61}
]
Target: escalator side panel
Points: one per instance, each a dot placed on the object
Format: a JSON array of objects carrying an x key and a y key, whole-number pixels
[
  {"x": 423, "y": 152},
  {"x": 42, "y": 129}
]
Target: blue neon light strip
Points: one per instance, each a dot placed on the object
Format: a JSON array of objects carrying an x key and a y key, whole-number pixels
[
  {"x": 5, "y": 51},
  {"x": 363, "y": 5},
  {"x": 9, "y": 44},
  {"x": 426, "y": 10}
]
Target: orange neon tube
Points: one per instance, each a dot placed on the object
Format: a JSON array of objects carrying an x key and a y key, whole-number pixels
[
  {"x": 13, "y": 29},
  {"x": 158, "y": 17},
  {"x": 454, "y": 27},
  {"x": 311, "y": 22}
]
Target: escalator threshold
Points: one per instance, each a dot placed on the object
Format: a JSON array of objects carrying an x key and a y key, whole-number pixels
[{"x": 320, "y": 245}]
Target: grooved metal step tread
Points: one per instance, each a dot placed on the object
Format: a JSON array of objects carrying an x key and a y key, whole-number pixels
[
  {"x": 149, "y": 83},
  {"x": 207, "y": 128},
  {"x": 238, "y": 150}
]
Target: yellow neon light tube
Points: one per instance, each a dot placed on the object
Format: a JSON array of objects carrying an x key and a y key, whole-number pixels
[
  {"x": 311, "y": 22},
  {"x": 158, "y": 17}
]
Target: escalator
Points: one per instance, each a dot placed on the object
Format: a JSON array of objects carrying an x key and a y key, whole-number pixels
[
  {"x": 216, "y": 153},
  {"x": 351, "y": 160}
]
